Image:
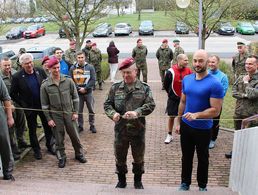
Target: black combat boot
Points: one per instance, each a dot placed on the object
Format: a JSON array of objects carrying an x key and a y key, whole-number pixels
[
  {"x": 121, "y": 181},
  {"x": 61, "y": 162},
  {"x": 138, "y": 181},
  {"x": 100, "y": 86}
]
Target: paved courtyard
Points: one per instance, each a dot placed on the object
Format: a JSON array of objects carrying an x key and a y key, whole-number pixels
[{"x": 162, "y": 162}]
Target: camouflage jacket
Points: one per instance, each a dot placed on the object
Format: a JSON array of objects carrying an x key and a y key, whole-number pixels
[
  {"x": 120, "y": 99},
  {"x": 95, "y": 59},
  {"x": 61, "y": 98},
  {"x": 238, "y": 64},
  {"x": 164, "y": 56},
  {"x": 8, "y": 80},
  {"x": 178, "y": 50},
  {"x": 70, "y": 57},
  {"x": 86, "y": 51},
  {"x": 246, "y": 95},
  {"x": 139, "y": 54}
]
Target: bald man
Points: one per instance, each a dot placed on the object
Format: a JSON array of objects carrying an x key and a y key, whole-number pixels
[{"x": 201, "y": 100}]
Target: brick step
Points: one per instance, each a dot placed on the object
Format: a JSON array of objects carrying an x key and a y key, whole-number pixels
[{"x": 64, "y": 187}]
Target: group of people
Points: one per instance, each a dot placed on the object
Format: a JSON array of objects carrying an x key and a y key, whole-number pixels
[{"x": 57, "y": 93}]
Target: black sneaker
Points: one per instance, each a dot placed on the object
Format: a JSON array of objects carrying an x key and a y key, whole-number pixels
[
  {"x": 8, "y": 177},
  {"x": 228, "y": 155},
  {"x": 37, "y": 155},
  {"x": 81, "y": 159},
  {"x": 23, "y": 144},
  {"x": 16, "y": 156},
  {"x": 93, "y": 129},
  {"x": 121, "y": 184},
  {"x": 61, "y": 162},
  {"x": 138, "y": 185},
  {"x": 80, "y": 129}
]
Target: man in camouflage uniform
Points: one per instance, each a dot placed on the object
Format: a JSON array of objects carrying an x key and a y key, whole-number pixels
[
  {"x": 164, "y": 55},
  {"x": 245, "y": 90},
  {"x": 17, "y": 64},
  {"x": 139, "y": 54},
  {"x": 86, "y": 50},
  {"x": 19, "y": 118},
  {"x": 95, "y": 59},
  {"x": 58, "y": 94},
  {"x": 178, "y": 50},
  {"x": 70, "y": 54},
  {"x": 127, "y": 104},
  {"x": 238, "y": 62}
]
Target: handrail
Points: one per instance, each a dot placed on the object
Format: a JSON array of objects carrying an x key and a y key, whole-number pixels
[{"x": 246, "y": 121}]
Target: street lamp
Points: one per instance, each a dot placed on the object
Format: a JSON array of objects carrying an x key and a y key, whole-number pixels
[{"x": 185, "y": 4}]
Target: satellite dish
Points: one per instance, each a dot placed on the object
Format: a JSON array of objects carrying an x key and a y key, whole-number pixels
[{"x": 183, "y": 3}]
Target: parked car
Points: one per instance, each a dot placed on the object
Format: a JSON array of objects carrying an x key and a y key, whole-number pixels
[
  {"x": 181, "y": 28},
  {"x": 245, "y": 28},
  {"x": 34, "y": 31},
  {"x": 103, "y": 29},
  {"x": 146, "y": 28},
  {"x": 62, "y": 33},
  {"x": 28, "y": 20},
  {"x": 19, "y": 20},
  {"x": 122, "y": 29},
  {"x": 225, "y": 28},
  {"x": 40, "y": 52},
  {"x": 9, "y": 20},
  {"x": 15, "y": 33},
  {"x": 8, "y": 53},
  {"x": 37, "y": 19},
  {"x": 255, "y": 25}
]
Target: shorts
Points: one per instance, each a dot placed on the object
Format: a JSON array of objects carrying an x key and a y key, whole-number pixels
[{"x": 172, "y": 107}]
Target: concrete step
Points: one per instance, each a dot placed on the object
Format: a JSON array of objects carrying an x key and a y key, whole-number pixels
[{"x": 62, "y": 187}]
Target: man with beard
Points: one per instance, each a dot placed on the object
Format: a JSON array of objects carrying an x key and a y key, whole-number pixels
[{"x": 200, "y": 102}]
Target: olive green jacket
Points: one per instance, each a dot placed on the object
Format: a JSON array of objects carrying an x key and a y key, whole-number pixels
[
  {"x": 238, "y": 64},
  {"x": 164, "y": 56},
  {"x": 178, "y": 50},
  {"x": 139, "y": 54},
  {"x": 59, "y": 99}
]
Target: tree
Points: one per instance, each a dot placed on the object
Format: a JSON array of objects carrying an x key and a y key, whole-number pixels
[
  {"x": 32, "y": 8},
  {"x": 213, "y": 13},
  {"x": 76, "y": 15},
  {"x": 119, "y": 4}
]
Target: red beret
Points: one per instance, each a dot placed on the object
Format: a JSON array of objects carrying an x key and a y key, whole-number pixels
[
  {"x": 72, "y": 42},
  {"x": 138, "y": 40},
  {"x": 93, "y": 44},
  {"x": 126, "y": 63},
  {"x": 46, "y": 58},
  {"x": 164, "y": 41},
  {"x": 52, "y": 61}
]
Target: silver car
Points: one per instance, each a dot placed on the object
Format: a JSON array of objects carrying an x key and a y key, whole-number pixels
[
  {"x": 102, "y": 30},
  {"x": 122, "y": 29}
]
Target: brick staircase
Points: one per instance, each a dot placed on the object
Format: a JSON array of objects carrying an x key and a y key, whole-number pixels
[{"x": 63, "y": 187}]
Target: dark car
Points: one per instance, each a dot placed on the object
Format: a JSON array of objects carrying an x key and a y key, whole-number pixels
[
  {"x": 146, "y": 28},
  {"x": 181, "y": 28},
  {"x": 9, "y": 53},
  {"x": 102, "y": 30},
  {"x": 62, "y": 33},
  {"x": 15, "y": 33},
  {"x": 34, "y": 31},
  {"x": 225, "y": 28},
  {"x": 40, "y": 52}
]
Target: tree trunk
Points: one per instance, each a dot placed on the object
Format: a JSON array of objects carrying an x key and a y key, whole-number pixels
[{"x": 139, "y": 14}]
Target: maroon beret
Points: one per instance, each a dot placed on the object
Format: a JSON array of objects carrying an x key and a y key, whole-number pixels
[
  {"x": 138, "y": 40},
  {"x": 46, "y": 58},
  {"x": 93, "y": 44},
  {"x": 126, "y": 63},
  {"x": 52, "y": 61},
  {"x": 164, "y": 41}
]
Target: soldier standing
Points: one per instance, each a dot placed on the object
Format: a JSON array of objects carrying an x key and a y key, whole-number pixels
[
  {"x": 59, "y": 94},
  {"x": 238, "y": 62},
  {"x": 87, "y": 49},
  {"x": 18, "y": 65},
  {"x": 70, "y": 54},
  {"x": 95, "y": 59},
  {"x": 139, "y": 54},
  {"x": 84, "y": 77},
  {"x": 164, "y": 55},
  {"x": 178, "y": 50},
  {"x": 246, "y": 94},
  {"x": 127, "y": 104},
  {"x": 44, "y": 64}
]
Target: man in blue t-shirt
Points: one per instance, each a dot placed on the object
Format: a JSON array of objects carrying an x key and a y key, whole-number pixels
[{"x": 201, "y": 101}]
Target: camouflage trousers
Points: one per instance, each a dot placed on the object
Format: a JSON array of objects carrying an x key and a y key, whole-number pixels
[
  {"x": 123, "y": 139},
  {"x": 162, "y": 75},
  {"x": 144, "y": 74},
  {"x": 99, "y": 77}
]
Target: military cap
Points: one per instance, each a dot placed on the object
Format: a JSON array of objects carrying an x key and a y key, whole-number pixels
[
  {"x": 93, "y": 44},
  {"x": 164, "y": 41},
  {"x": 138, "y": 40},
  {"x": 88, "y": 41},
  {"x": 240, "y": 43},
  {"x": 72, "y": 43},
  {"x": 46, "y": 58},
  {"x": 126, "y": 63},
  {"x": 176, "y": 41},
  {"x": 52, "y": 61},
  {"x": 22, "y": 50}
]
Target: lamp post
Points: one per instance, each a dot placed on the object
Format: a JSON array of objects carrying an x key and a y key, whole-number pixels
[{"x": 185, "y": 4}]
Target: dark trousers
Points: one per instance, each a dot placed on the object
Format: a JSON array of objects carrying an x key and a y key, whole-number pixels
[
  {"x": 192, "y": 139},
  {"x": 32, "y": 125},
  {"x": 215, "y": 127}
]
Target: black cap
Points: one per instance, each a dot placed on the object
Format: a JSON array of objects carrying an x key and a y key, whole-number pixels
[{"x": 88, "y": 41}]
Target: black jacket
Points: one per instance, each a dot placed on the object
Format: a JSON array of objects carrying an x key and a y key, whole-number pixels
[{"x": 20, "y": 91}]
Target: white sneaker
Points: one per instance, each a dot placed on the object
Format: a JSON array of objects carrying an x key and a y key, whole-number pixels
[
  {"x": 168, "y": 139},
  {"x": 212, "y": 144}
]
